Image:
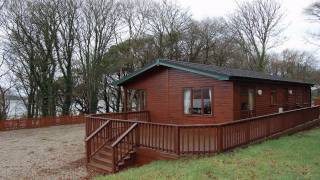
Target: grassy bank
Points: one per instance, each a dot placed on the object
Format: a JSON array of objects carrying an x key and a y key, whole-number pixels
[{"x": 290, "y": 157}]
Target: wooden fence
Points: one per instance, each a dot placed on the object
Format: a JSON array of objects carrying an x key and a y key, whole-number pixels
[
  {"x": 40, "y": 122},
  {"x": 209, "y": 138}
]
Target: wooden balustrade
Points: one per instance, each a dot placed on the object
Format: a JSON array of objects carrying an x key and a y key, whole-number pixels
[
  {"x": 198, "y": 138},
  {"x": 157, "y": 136},
  {"x": 124, "y": 145},
  {"x": 94, "y": 121},
  {"x": 98, "y": 139}
]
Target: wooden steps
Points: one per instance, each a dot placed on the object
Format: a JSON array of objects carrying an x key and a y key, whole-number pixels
[{"x": 101, "y": 162}]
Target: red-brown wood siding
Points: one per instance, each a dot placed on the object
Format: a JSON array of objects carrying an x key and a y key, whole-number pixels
[
  {"x": 299, "y": 98},
  {"x": 164, "y": 88},
  {"x": 155, "y": 84}
]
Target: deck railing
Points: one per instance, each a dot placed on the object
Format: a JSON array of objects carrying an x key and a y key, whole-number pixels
[
  {"x": 96, "y": 120},
  {"x": 211, "y": 138},
  {"x": 124, "y": 145},
  {"x": 98, "y": 139}
]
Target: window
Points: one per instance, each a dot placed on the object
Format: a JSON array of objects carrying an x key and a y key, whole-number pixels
[
  {"x": 136, "y": 100},
  {"x": 197, "y": 101},
  {"x": 306, "y": 96},
  {"x": 273, "y": 97},
  {"x": 247, "y": 98}
]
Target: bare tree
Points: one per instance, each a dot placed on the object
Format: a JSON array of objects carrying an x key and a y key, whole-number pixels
[
  {"x": 293, "y": 64},
  {"x": 313, "y": 12},
  {"x": 167, "y": 22},
  {"x": 4, "y": 92},
  {"x": 31, "y": 30},
  {"x": 257, "y": 25},
  {"x": 96, "y": 32},
  {"x": 65, "y": 47}
]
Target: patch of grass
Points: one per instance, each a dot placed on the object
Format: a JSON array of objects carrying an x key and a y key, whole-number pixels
[{"x": 290, "y": 157}]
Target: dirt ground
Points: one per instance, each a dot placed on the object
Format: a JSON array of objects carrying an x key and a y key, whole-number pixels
[{"x": 43, "y": 153}]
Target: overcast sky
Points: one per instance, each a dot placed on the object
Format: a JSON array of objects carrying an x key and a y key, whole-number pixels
[{"x": 298, "y": 26}]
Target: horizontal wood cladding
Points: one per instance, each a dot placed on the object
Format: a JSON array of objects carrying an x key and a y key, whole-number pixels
[
  {"x": 164, "y": 88},
  {"x": 300, "y": 97},
  {"x": 156, "y": 86},
  {"x": 221, "y": 97}
]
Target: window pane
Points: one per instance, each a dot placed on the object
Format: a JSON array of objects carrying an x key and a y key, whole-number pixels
[
  {"x": 206, "y": 93},
  {"x": 142, "y": 100},
  {"x": 244, "y": 99},
  {"x": 187, "y": 101},
  {"x": 136, "y": 100},
  {"x": 251, "y": 99},
  {"x": 196, "y": 101}
]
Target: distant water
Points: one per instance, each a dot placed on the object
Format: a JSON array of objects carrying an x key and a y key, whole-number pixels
[{"x": 16, "y": 109}]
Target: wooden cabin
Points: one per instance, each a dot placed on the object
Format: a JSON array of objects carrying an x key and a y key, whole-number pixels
[
  {"x": 175, "y": 108},
  {"x": 181, "y": 92}
]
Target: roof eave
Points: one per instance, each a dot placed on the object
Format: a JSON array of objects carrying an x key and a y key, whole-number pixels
[
  {"x": 280, "y": 81},
  {"x": 128, "y": 77}
]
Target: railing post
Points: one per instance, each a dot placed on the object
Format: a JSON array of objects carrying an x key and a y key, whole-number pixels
[
  {"x": 220, "y": 139},
  {"x": 87, "y": 125},
  {"x": 268, "y": 127},
  {"x": 137, "y": 135},
  {"x": 113, "y": 161},
  {"x": 177, "y": 140},
  {"x": 125, "y": 103},
  {"x": 88, "y": 151}
]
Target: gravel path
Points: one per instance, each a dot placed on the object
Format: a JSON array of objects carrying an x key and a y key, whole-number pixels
[{"x": 43, "y": 153}]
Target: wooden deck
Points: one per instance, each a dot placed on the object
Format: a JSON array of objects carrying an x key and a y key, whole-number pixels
[{"x": 123, "y": 135}]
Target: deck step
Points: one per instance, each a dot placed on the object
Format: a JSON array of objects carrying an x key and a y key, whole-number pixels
[
  {"x": 102, "y": 160},
  {"x": 107, "y": 154},
  {"x": 99, "y": 167}
]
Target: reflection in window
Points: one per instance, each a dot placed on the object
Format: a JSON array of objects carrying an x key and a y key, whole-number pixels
[
  {"x": 247, "y": 98},
  {"x": 206, "y": 101},
  {"x": 136, "y": 100},
  {"x": 197, "y": 101},
  {"x": 187, "y": 101}
]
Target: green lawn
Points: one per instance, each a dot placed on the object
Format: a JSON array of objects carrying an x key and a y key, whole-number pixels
[{"x": 290, "y": 157}]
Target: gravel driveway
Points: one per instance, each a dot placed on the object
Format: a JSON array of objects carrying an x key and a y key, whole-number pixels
[{"x": 43, "y": 153}]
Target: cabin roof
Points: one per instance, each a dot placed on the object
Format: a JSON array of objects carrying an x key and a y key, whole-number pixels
[{"x": 216, "y": 72}]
